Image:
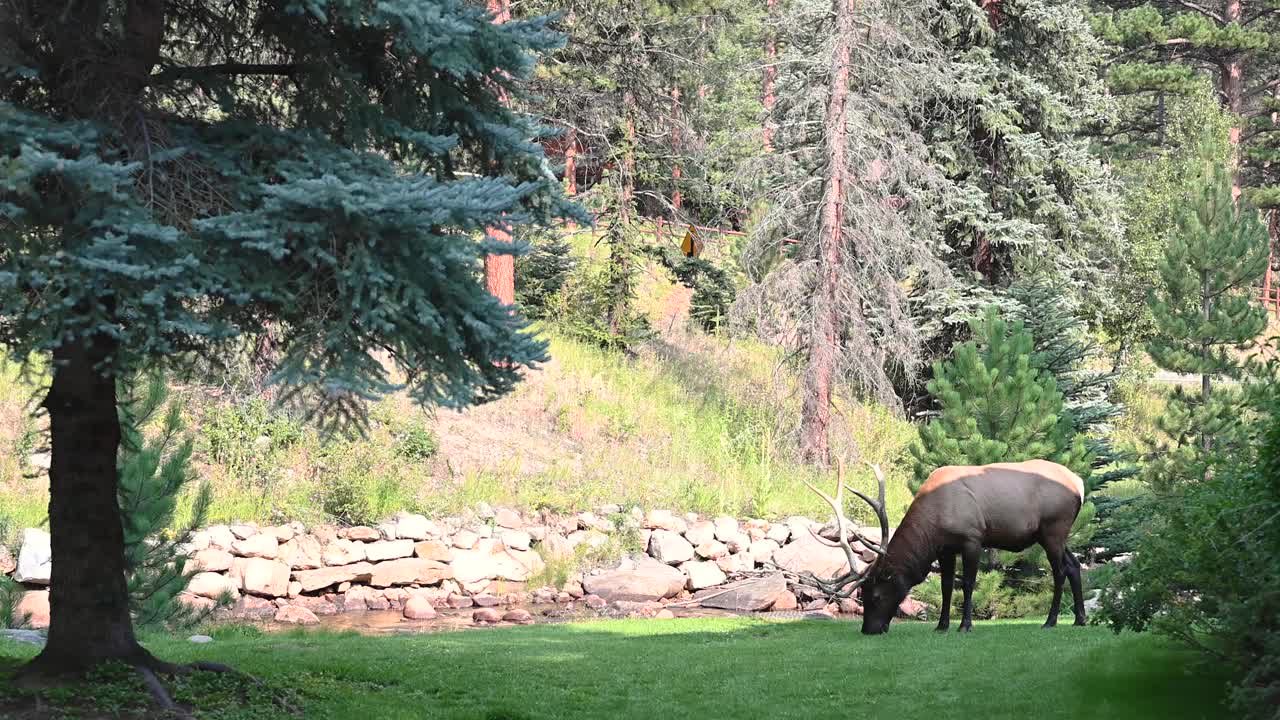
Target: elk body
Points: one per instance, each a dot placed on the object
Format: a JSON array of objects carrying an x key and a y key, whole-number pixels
[{"x": 957, "y": 512}]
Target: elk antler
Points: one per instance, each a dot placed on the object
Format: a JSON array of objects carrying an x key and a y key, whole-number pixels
[{"x": 844, "y": 585}]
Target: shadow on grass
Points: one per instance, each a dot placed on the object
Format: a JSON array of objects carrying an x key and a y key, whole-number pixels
[{"x": 722, "y": 669}]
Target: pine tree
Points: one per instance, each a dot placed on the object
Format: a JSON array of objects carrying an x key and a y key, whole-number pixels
[
  {"x": 996, "y": 406},
  {"x": 1205, "y": 315},
  {"x": 154, "y": 473},
  {"x": 180, "y": 176}
]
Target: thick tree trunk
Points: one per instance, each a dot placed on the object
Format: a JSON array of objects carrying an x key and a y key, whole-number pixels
[
  {"x": 1232, "y": 89},
  {"x": 820, "y": 375},
  {"x": 500, "y": 270},
  {"x": 770, "y": 76},
  {"x": 89, "y": 599}
]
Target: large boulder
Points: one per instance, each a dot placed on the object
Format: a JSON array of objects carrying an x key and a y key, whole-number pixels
[
  {"x": 646, "y": 579},
  {"x": 409, "y": 571},
  {"x": 388, "y": 550},
  {"x": 808, "y": 554},
  {"x": 419, "y": 607},
  {"x": 702, "y": 574},
  {"x": 751, "y": 595},
  {"x": 34, "y": 608},
  {"x": 296, "y": 615},
  {"x": 220, "y": 537},
  {"x": 262, "y": 577},
  {"x": 667, "y": 546},
  {"x": 212, "y": 585},
  {"x": 361, "y": 533},
  {"x": 555, "y": 547},
  {"x": 701, "y": 532},
  {"x": 415, "y": 527},
  {"x": 213, "y": 560},
  {"x": 491, "y": 560},
  {"x": 260, "y": 545},
  {"x": 302, "y": 552},
  {"x": 433, "y": 550},
  {"x": 509, "y": 519},
  {"x": 726, "y": 528},
  {"x": 34, "y": 558},
  {"x": 343, "y": 552},
  {"x": 312, "y": 580}
]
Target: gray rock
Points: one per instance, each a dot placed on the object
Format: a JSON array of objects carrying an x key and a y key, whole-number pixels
[
  {"x": 807, "y": 554},
  {"x": 200, "y": 639},
  {"x": 702, "y": 574},
  {"x": 30, "y": 637},
  {"x": 701, "y": 533},
  {"x": 668, "y": 547},
  {"x": 648, "y": 580},
  {"x": 34, "y": 559},
  {"x": 752, "y": 595}
]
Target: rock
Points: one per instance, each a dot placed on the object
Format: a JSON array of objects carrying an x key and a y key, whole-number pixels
[
  {"x": 785, "y": 600},
  {"x": 711, "y": 550},
  {"x": 388, "y": 550},
  {"x": 509, "y": 519},
  {"x": 465, "y": 539},
  {"x": 397, "y": 596},
  {"x": 360, "y": 598},
  {"x": 244, "y": 531},
  {"x": 589, "y": 521},
  {"x": 590, "y": 538},
  {"x": 485, "y": 600},
  {"x": 313, "y": 580},
  {"x": 563, "y": 598},
  {"x": 212, "y": 585},
  {"x": 702, "y": 574},
  {"x": 8, "y": 563},
  {"x": 343, "y": 552},
  {"x": 34, "y": 608},
  {"x": 664, "y": 614},
  {"x": 808, "y": 554},
  {"x": 200, "y": 639},
  {"x": 387, "y": 530},
  {"x": 849, "y": 606},
  {"x": 734, "y": 563},
  {"x": 257, "y": 546},
  {"x": 666, "y": 546},
  {"x": 486, "y": 616},
  {"x": 516, "y": 539},
  {"x": 409, "y": 571},
  {"x": 296, "y": 615},
  {"x": 648, "y": 580},
  {"x": 360, "y": 533},
  {"x": 196, "y": 603},
  {"x": 260, "y": 576},
  {"x": 646, "y": 609},
  {"x": 482, "y": 531},
  {"x": 484, "y": 510},
  {"x": 344, "y": 586},
  {"x": 518, "y": 616},
  {"x": 537, "y": 532},
  {"x": 799, "y": 526},
  {"x": 778, "y": 533},
  {"x": 911, "y": 607},
  {"x": 751, "y": 595},
  {"x": 433, "y": 550},
  {"x": 220, "y": 537},
  {"x": 319, "y": 605},
  {"x": 762, "y": 550},
  {"x": 554, "y": 547},
  {"x": 253, "y": 608},
  {"x": 726, "y": 528},
  {"x": 491, "y": 560},
  {"x": 34, "y": 558},
  {"x": 415, "y": 527},
  {"x": 1093, "y": 603},
  {"x": 660, "y": 520},
  {"x": 418, "y": 607},
  {"x": 325, "y": 533},
  {"x": 213, "y": 560},
  {"x": 595, "y": 602},
  {"x": 700, "y": 533},
  {"x": 295, "y": 588},
  {"x": 302, "y": 552},
  {"x": 738, "y": 543},
  {"x": 459, "y": 601},
  {"x": 26, "y": 637},
  {"x": 282, "y": 533}
]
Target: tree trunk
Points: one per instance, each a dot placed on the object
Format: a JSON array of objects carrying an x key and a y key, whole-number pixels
[
  {"x": 89, "y": 599},
  {"x": 770, "y": 76},
  {"x": 1232, "y": 89},
  {"x": 500, "y": 270},
  {"x": 819, "y": 377},
  {"x": 1205, "y": 348},
  {"x": 675, "y": 147}
]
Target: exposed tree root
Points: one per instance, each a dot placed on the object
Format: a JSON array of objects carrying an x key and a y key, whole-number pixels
[{"x": 160, "y": 694}]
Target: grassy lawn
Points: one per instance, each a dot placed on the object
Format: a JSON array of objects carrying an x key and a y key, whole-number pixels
[{"x": 697, "y": 668}]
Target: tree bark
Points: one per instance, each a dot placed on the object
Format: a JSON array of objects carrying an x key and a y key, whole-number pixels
[
  {"x": 770, "y": 77},
  {"x": 500, "y": 270},
  {"x": 675, "y": 147},
  {"x": 819, "y": 377},
  {"x": 88, "y": 598},
  {"x": 1232, "y": 88}
]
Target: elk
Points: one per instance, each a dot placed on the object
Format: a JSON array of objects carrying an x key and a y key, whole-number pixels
[{"x": 958, "y": 511}]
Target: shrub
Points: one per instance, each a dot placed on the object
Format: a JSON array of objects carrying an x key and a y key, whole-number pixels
[
  {"x": 1207, "y": 572},
  {"x": 416, "y": 442},
  {"x": 542, "y": 273}
]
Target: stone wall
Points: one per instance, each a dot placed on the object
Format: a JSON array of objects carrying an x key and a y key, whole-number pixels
[{"x": 413, "y": 564}]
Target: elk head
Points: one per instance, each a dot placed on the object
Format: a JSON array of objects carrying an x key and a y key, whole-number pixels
[{"x": 882, "y": 591}]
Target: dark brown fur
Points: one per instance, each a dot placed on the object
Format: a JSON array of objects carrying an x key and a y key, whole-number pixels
[{"x": 960, "y": 511}]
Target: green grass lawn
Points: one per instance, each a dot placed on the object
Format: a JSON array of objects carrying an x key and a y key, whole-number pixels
[{"x": 692, "y": 668}]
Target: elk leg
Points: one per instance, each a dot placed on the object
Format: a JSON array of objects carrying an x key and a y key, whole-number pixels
[
  {"x": 948, "y": 573},
  {"x": 1055, "y": 553},
  {"x": 970, "y": 559},
  {"x": 1073, "y": 574}
]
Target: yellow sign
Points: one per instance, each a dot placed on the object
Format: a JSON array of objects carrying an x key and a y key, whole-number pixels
[{"x": 691, "y": 246}]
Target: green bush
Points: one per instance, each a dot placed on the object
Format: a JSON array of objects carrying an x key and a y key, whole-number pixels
[
  {"x": 1207, "y": 573},
  {"x": 359, "y": 486},
  {"x": 416, "y": 442},
  {"x": 542, "y": 273}
]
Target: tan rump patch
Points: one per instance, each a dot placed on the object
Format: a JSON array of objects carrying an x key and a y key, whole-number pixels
[{"x": 1041, "y": 468}]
